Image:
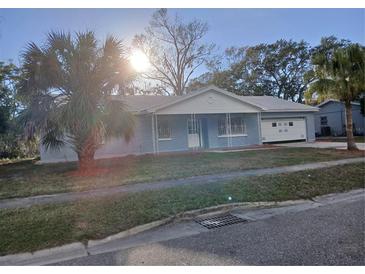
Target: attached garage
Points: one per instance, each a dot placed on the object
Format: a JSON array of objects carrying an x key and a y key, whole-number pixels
[{"x": 283, "y": 129}]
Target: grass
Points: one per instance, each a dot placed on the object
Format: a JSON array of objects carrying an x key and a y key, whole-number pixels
[
  {"x": 25, "y": 178},
  {"x": 358, "y": 139},
  {"x": 38, "y": 227}
]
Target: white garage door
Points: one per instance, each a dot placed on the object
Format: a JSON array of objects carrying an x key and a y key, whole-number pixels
[{"x": 276, "y": 130}]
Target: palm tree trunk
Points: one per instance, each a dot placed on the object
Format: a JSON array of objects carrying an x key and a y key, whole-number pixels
[
  {"x": 86, "y": 159},
  {"x": 349, "y": 130},
  {"x": 86, "y": 162}
]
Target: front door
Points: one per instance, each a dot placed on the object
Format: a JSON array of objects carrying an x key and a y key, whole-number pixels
[{"x": 194, "y": 133}]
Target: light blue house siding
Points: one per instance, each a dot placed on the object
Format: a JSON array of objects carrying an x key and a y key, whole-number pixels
[
  {"x": 334, "y": 113},
  {"x": 251, "y": 137},
  {"x": 178, "y": 140},
  {"x": 179, "y": 133},
  {"x": 142, "y": 142}
]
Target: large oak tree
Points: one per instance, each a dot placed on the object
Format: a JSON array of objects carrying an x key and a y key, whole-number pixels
[{"x": 276, "y": 69}]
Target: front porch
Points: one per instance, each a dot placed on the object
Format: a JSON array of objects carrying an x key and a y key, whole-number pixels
[
  {"x": 207, "y": 119},
  {"x": 184, "y": 132}
]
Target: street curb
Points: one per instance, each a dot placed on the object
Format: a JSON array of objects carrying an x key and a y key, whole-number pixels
[
  {"x": 220, "y": 209},
  {"x": 46, "y": 256},
  {"x": 78, "y": 249},
  {"x": 183, "y": 216},
  {"x": 130, "y": 232},
  {"x": 186, "y": 216}
]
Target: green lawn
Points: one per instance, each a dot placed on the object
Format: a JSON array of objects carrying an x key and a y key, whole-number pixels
[
  {"x": 21, "y": 179},
  {"x": 358, "y": 139},
  {"x": 51, "y": 225}
]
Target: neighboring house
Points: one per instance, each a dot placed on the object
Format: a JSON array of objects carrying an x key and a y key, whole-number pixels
[
  {"x": 210, "y": 118},
  {"x": 330, "y": 120}
]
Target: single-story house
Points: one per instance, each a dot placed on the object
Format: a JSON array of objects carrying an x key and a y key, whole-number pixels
[
  {"x": 210, "y": 118},
  {"x": 330, "y": 120}
]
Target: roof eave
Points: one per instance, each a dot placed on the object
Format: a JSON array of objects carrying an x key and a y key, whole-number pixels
[
  {"x": 335, "y": 101},
  {"x": 203, "y": 90},
  {"x": 292, "y": 110}
]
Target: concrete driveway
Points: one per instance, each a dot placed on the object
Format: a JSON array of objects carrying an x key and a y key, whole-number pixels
[{"x": 337, "y": 145}]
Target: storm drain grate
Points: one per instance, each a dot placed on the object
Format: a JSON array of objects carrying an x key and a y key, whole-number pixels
[{"x": 219, "y": 221}]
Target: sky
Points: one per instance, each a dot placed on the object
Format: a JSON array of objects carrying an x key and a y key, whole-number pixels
[{"x": 228, "y": 27}]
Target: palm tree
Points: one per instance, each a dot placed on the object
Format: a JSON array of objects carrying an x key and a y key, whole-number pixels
[
  {"x": 340, "y": 74},
  {"x": 67, "y": 84}
]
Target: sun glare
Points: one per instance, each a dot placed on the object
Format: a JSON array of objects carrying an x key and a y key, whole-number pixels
[{"x": 139, "y": 61}]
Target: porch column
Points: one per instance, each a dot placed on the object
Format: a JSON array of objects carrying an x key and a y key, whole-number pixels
[
  {"x": 156, "y": 130},
  {"x": 228, "y": 130},
  {"x": 153, "y": 133},
  {"x": 259, "y": 127}
]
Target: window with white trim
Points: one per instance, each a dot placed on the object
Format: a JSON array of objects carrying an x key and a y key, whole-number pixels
[
  {"x": 164, "y": 130},
  {"x": 238, "y": 126}
]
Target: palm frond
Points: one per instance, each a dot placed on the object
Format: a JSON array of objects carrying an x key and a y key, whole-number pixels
[
  {"x": 67, "y": 85},
  {"x": 339, "y": 70},
  {"x": 53, "y": 136},
  {"x": 117, "y": 121}
]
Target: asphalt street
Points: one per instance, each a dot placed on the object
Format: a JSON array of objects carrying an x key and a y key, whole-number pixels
[{"x": 332, "y": 234}]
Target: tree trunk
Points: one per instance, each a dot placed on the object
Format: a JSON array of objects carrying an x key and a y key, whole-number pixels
[
  {"x": 349, "y": 128},
  {"x": 86, "y": 160}
]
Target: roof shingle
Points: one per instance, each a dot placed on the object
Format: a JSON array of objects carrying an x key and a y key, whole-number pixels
[{"x": 139, "y": 103}]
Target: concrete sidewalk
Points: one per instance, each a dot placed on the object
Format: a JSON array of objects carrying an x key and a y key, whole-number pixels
[{"x": 140, "y": 187}]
